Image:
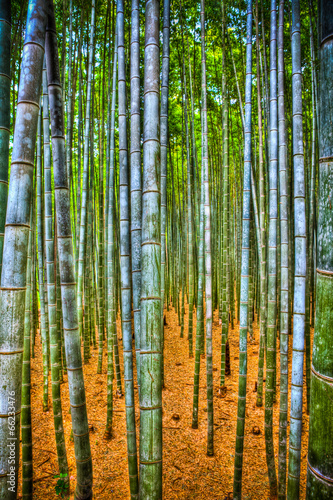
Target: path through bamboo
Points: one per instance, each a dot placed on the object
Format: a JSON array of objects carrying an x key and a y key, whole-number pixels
[{"x": 187, "y": 471}]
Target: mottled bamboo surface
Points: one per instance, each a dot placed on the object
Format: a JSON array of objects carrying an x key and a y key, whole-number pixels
[{"x": 187, "y": 471}]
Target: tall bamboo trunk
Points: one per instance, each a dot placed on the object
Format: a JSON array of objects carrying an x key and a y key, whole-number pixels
[
  {"x": 13, "y": 277},
  {"x": 207, "y": 236},
  {"x": 125, "y": 259},
  {"x": 83, "y": 490},
  {"x": 83, "y": 216},
  {"x": 43, "y": 324},
  {"x": 164, "y": 155},
  {"x": 27, "y": 464},
  {"x": 69, "y": 96},
  {"x": 136, "y": 188},
  {"x": 237, "y": 492},
  {"x": 263, "y": 296},
  {"x": 272, "y": 265},
  {"x": 200, "y": 315},
  {"x": 295, "y": 438},
  {"x": 284, "y": 232},
  {"x": 224, "y": 209},
  {"x": 320, "y": 455},
  {"x": 5, "y": 44},
  {"x": 51, "y": 290},
  {"x": 151, "y": 338},
  {"x": 111, "y": 330}
]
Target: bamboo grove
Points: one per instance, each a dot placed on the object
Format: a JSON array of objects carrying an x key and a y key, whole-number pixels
[{"x": 155, "y": 155}]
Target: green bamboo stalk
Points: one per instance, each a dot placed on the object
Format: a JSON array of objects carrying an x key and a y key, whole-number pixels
[
  {"x": 294, "y": 462},
  {"x": 284, "y": 231},
  {"x": 197, "y": 189},
  {"x": 207, "y": 232},
  {"x": 246, "y": 221},
  {"x": 136, "y": 188},
  {"x": 69, "y": 96},
  {"x": 79, "y": 133},
  {"x": 83, "y": 490},
  {"x": 111, "y": 255},
  {"x": 5, "y": 38},
  {"x": 27, "y": 466},
  {"x": 224, "y": 209},
  {"x": 100, "y": 281},
  {"x": 189, "y": 245},
  {"x": 164, "y": 156},
  {"x": 51, "y": 291},
  {"x": 263, "y": 285},
  {"x": 125, "y": 260},
  {"x": 88, "y": 324},
  {"x": 13, "y": 277},
  {"x": 312, "y": 210},
  {"x": 33, "y": 292},
  {"x": 200, "y": 318},
  {"x": 319, "y": 467},
  {"x": 60, "y": 333},
  {"x": 44, "y": 329},
  {"x": 83, "y": 216},
  {"x": 90, "y": 285},
  {"x": 250, "y": 291},
  {"x": 272, "y": 267},
  {"x": 151, "y": 335}
]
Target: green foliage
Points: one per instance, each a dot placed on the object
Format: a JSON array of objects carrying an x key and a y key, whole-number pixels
[{"x": 62, "y": 486}]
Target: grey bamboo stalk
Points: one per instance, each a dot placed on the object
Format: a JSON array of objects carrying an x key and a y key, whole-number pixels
[
  {"x": 107, "y": 166},
  {"x": 237, "y": 84},
  {"x": 284, "y": 231},
  {"x": 13, "y": 277},
  {"x": 237, "y": 491},
  {"x": 79, "y": 162},
  {"x": 33, "y": 308},
  {"x": 312, "y": 202},
  {"x": 115, "y": 339},
  {"x": 111, "y": 254},
  {"x": 59, "y": 317},
  {"x": 80, "y": 428},
  {"x": 43, "y": 312},
  {"x": 100, "y": 276},
  {"x": 197, "y": 188},
  {"x": 300, "y": 262},
  {"x": 125, "y": 260},
  {"x": 151, "y": 335},
  {"x": 100, "y": 284},
  {"x": 90, "y": 312},
  {"x": 5, "y": 38},
  {"x": 253, "y": 184},
  {"x": 136, "y": 188},
  {"x": 207, "y": 232},
  {"x": 319, "y": 467},
  {"x": 87, "y": 328},
  {"x": 90, "y": 284},
  {"x": 164, "y": 153},
  {"x": 83, "y": 216},
  {"x": 189, "y": 245},
  {"x": 200, "y": 319},
  {"x": 27, "y": 466},
  {"x": 224, "y": 215},
  {"x": 263, "y": 297},
  {"x": 69, "y": 96},
  {"x": 58, "y": 308},
  {"x": 272, "y": 267},
  {"x": 44, "y": 280},
  {"x": 63, "y": 48},
  {"x": 51, "y": 290}
]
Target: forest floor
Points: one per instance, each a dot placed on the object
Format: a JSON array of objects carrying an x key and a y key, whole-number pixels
[{"x": 187, "y": 471}]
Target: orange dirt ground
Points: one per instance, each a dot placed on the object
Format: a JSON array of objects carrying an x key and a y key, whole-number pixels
[{"x": 187, "y": 471}]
